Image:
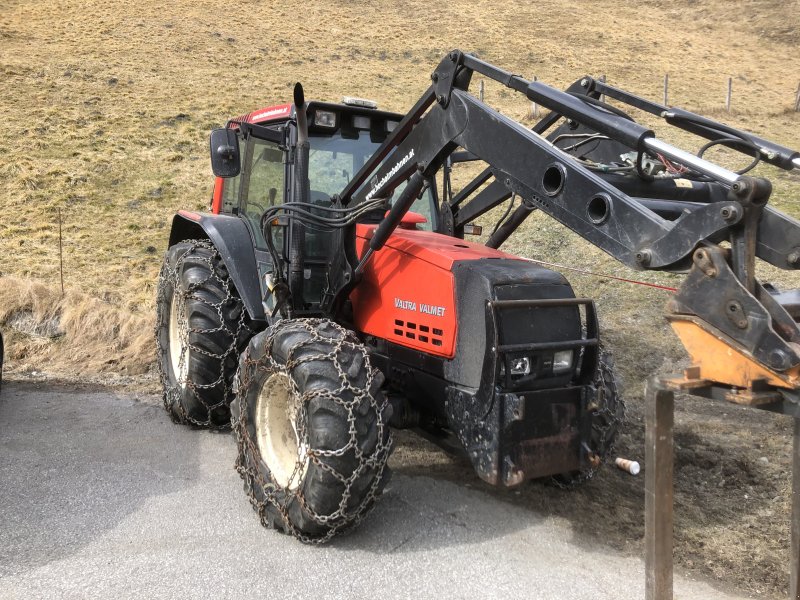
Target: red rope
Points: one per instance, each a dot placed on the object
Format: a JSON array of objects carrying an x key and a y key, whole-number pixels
[{"x": 584, "y": 272}]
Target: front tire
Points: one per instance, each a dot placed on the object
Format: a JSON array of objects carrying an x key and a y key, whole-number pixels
[
  {"x": 312, "y": 429},
  {"x": 201, "y": 328},
  {"x": 608, "y": 415}
]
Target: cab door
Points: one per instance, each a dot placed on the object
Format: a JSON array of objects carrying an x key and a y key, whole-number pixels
[{"x": 263, "y": 185}]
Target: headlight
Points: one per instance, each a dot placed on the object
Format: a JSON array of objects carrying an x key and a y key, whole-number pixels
[
  {"x": 360, "y": 122},
  {"x": 562, "y": 361},
  {"x": 521, "y": 366},
  {"x": 325, "y": 118}
]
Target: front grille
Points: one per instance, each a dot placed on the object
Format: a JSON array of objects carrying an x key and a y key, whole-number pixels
[
  {"x": 556, "y": 324},
  {"x": 420, "y": 332}
]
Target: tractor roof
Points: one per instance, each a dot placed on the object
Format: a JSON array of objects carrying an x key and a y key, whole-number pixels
[{"x": 280, "y": 112}]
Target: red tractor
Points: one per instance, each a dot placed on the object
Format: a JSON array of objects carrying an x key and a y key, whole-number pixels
[{"x": 330, "y": 295}]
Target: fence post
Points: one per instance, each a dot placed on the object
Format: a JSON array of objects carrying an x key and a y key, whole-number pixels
[
  {"x": 480, "y": 91},
  {"x": 60, "y": 252},
  {"x": 659, "y": 422},
  {"x": 797, "y": 99},
  {"x": 728, "y": 96},
  {"x": 666, "y": 88}
]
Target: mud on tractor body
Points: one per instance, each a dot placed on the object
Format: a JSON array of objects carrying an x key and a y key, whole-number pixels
[{"x": 329, "y": 294}]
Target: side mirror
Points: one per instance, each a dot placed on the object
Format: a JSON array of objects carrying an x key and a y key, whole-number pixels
[{"x": 225, "y": 161}]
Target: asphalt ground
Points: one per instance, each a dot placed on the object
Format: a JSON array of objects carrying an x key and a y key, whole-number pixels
[{"x": 102, "y": 496}]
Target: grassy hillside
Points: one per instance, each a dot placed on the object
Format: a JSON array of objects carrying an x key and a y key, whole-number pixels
[{"x": 107, "y": 108}]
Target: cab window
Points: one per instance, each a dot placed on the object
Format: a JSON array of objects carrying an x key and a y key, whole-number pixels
[
  {"x": 265, "y": 175},
  {"x": 334, "y": 160}
]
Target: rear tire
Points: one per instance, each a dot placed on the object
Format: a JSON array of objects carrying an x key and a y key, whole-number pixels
[
  {"x": 312, "y": 428},
  {"x": 201, "y": 327}
]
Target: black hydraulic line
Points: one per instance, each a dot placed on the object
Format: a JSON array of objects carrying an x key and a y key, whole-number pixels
[
  {"x": 735, "y": 144},
  {"x": 447, "y": 184},
  {"x": 505, "y": 214},
  {"x": 510, "y": 225},
  {"x": 666, "y": 189},
  {"x": 772, "y": 153},
  {"x": 309, "y": 214}
]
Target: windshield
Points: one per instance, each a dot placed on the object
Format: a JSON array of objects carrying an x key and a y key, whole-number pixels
[{"x": 333, "y": 160}]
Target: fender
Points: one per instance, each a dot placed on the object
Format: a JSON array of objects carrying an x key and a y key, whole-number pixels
[{"x": 232, "y": 240}]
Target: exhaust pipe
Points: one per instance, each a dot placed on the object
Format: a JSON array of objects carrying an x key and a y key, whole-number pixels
[{"x": 297, "y": 235}]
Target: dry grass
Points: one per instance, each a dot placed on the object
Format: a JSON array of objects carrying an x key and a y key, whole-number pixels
[
  {"x": 107, "y": 107},
  {"x": 74, "y": 334}
]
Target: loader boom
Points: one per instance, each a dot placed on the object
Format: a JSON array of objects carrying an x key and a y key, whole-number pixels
[{"x": 742, "y": 337}]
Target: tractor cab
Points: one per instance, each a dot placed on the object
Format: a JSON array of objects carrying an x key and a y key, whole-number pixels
[{"x": 341, "y": 137}]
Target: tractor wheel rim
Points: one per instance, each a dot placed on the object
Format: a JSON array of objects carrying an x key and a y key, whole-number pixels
[
  {"x": 178, "y": 339},
  {"x": 277, "y": 409}
]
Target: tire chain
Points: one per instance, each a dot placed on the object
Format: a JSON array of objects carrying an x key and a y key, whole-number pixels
[
  {"x": 603, "y": 420},
  {"x": 172, "y": 393},
  {"x": 279, "y": 496}
]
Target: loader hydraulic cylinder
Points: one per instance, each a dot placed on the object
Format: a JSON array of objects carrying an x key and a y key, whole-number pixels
[{"x": 392, "y": 220}]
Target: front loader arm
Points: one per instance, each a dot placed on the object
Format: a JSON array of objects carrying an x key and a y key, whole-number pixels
[{"x": 740, "y": 336}]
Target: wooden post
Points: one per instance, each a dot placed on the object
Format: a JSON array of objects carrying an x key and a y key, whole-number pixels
[
  {"x": 602, "y": 80},
  {"x": 534, "y": 112},
  {"x": 658, "y": 491},
  {"x": 794, "y": 583},
  {"x": 480, "y": 91},
  {"x": 666, "y": 88},
  {"x": 797, "y": 99},
  {"x": 728, "y": 96},
  {"x": 60, "y": 252}
]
